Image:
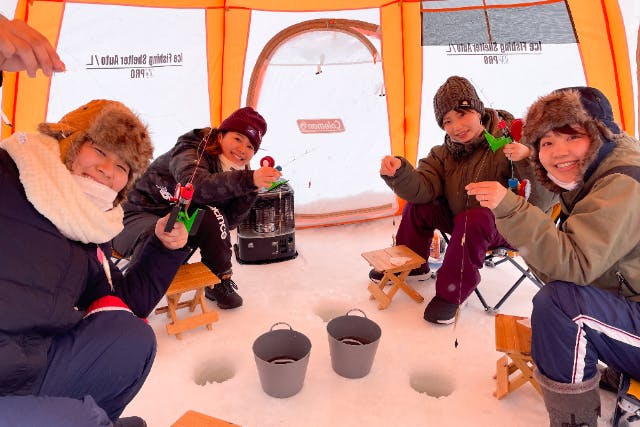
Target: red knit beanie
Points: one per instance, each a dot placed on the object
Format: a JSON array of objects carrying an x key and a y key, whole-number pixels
[{"x": 248, "y": 122}]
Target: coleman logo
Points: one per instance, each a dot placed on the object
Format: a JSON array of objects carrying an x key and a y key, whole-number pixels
[{"x": 320, "y": 125}]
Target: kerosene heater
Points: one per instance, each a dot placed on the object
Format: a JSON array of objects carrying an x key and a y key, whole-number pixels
[{"x": 268, "y": 233}]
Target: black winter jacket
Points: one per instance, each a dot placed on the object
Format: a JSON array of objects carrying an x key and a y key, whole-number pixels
[
  {"x": 232, "y": 192},
  {"x": 47, "y": 280}
]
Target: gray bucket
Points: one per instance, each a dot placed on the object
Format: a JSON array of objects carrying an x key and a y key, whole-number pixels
[
  {"x": 281, "y": 356},
  {"x": 353, "y": 341}
]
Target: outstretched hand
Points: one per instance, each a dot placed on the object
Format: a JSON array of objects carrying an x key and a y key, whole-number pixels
[
  {"x": 265, "y": 176},
  {"x": 516, "y": 151},
  {"x": 24, "y": 48},
  {"x": 174, "y": 239},
  {"x": 488, "y": 193},
  {"x": 389, "y": 165}
]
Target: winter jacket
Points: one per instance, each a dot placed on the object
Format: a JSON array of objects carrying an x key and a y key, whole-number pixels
[
  {"x": 47, "y": 280},
  {"x": 232, "y": 192},
  {"x": 599, "y": 243},
  {"x": 443, "y": 174}
]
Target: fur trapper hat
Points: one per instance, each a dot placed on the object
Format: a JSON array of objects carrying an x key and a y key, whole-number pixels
[
  {"x": 248, "y": 122},
  {"x": 585, "y": 106},
  {"x": 109, "y": 124},
  {"x": 456, "y": 93}
]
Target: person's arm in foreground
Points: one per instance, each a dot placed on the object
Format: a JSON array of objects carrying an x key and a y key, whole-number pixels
[{"x": 24, "y": 48}]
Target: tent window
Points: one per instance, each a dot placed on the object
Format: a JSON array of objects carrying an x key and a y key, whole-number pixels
[{"x": 548, "y": 23}]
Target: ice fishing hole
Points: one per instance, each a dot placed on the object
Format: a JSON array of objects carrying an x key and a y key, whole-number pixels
[
  {"x": 214, "y": 371},
  {"x": 327, "y": 310},
  {"x": 432, "y": 384}
]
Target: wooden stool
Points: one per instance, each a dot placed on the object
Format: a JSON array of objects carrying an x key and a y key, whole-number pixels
[
  {"x": 513, "y": 337},
  {"x": 190, "y": 277},
  {"x": 396, "y": 259},
  {"x": 196, "y": 419}
]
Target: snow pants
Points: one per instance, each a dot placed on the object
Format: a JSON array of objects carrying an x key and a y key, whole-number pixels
[
  {"x": 575, "y": 326},
  {"x": 93, "y": 372},
  {"x": 473, "y": 232},
  {"x": 212, "y": 237}
]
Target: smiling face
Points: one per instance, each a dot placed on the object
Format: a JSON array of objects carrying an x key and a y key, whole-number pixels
[
  {"x": 237, "y": 148},
  {"x": 563, "y": 151},
  {"x": 462, "y": 125},
  {"x": 101, "y": 165}
]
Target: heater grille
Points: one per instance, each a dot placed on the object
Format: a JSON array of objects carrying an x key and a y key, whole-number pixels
[
  {"x": 268, "y": 232},
  {"x": 271, "y": 214}
]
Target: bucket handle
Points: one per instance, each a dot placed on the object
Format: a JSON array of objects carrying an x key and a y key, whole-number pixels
[
  {"x": 281, "y": 323},
  {"x": 357, "y": 309}
]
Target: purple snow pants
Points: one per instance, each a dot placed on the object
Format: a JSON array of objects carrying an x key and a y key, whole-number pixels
[{"x": 459, "y": 274}]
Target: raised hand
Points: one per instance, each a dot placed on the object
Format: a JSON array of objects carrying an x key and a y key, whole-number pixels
[{"x": 24, "y": 48}]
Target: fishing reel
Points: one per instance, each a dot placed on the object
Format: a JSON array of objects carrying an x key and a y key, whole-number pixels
[
  {"x": 179, "y": 211},
  {"x": 269, "y": 162}
]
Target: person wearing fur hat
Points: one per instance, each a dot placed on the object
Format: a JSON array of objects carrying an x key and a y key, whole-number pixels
[
  {"x": 216, "y": 162},
  {"x": 589, "y": 309},
  {"x": 436, "y": 199},
  {"x": 73, "y": 346}
]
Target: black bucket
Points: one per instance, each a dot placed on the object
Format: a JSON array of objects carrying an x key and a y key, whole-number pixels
[
  {"x": 353, "y": 341},
  {"x": 282, "y": 356}
]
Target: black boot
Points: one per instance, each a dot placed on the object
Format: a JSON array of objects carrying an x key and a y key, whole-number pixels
[
  {"x": 224, "y": 294},
  {"x": 130, "y": 422},
  {"x": 609, "y": 379},
  {"x": 570, "y": 405}
]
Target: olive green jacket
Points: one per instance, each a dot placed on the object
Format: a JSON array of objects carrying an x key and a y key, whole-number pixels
[
  {"x": 441, "y": 174},
  {"x": 600, "y": 240}
]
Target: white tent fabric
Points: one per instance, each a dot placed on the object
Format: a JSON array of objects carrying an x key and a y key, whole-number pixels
[
  {"x": 332, "y": 76},
  {"x": 169, "y": 64}
]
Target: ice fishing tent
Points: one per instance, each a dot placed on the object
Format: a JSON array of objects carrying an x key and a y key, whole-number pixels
[{"x": 340, "y": 82}]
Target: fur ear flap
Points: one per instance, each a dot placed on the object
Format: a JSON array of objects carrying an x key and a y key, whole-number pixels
[
  {"x": 560, "y": 108},
  {"x": 109, "y": 124}
]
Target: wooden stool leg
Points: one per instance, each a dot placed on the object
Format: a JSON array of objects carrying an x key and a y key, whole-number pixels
[
  {"x": 380, "y": 285},
  {"x": 172, "y": 304},
  {"x": 377, "y": 292},
  {"x": 526, "y": 368},
  {"x": 195, "y": 301},
  {"x": 502, "y": 377},
  {"x": 199, "y": 297},
  {"x": 400, "y": 282}
]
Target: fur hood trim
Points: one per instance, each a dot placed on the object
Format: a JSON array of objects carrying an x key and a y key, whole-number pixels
[{"x": 567, "y": 107}]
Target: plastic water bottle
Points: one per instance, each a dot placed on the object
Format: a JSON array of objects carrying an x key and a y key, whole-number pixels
[{"x": 436, "y": 253}]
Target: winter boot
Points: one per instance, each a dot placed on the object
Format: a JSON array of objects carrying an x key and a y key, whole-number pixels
[
  {"x": 224, "y": 294},
  {"x": 570, "y": 405},
  {"x": 130, "y": 422},
  {"x": 440, "y": 311},
  {"x": 609, "y": 379}
]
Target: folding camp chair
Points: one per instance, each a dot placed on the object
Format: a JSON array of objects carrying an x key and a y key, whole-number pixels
[
  {"x": 503, "y": 254},
  {"x": 499, "y": 255},
  {"x": 495, "y": 257}
]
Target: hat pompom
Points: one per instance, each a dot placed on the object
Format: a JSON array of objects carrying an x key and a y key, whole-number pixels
[{"x": 248, "y": 122}]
